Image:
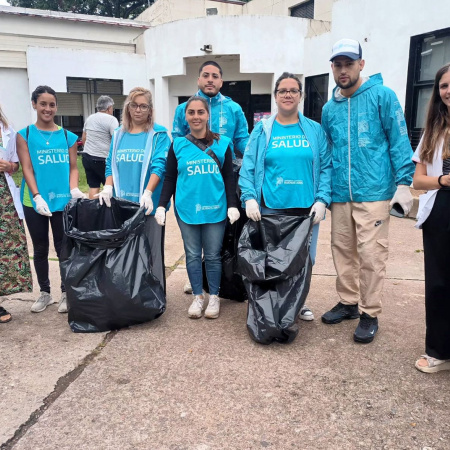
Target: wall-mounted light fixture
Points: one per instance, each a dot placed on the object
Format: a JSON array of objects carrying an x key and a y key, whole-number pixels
[{"x": 207, "y": 48}]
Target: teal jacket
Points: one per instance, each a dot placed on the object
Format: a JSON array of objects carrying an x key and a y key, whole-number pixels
[
  {"x": 225, "y": 117},
  {"x": 371, "y": 153},
  {"x": 251, "y": 176}
]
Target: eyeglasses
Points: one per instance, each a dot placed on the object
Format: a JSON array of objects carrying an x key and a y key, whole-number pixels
[
  {"x": 143, "y": 107},
  {"x": 284, "y": 92}
]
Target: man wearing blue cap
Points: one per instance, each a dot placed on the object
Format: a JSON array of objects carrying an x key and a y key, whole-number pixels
[{"x": 372, "y": 171}]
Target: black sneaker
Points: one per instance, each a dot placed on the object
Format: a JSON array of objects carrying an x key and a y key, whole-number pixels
[
  {"x": 366, "y": 329},
  {"x": 340, "y": 312}
]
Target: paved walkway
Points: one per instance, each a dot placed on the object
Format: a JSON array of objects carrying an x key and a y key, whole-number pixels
[{"x": 177, "y": 383}]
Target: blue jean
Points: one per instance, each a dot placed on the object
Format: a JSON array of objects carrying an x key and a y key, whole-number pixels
[
  {"x": 207, "y": 237},
  {"x": 314, "y": 235}
]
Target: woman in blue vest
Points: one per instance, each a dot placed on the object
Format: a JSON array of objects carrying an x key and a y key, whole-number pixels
[
  {"x": 48, "y": 155},
  {"x": 287, "y": 164},
  {"x": 136, "y": 165},
  {"x": 200, "y": 174}
]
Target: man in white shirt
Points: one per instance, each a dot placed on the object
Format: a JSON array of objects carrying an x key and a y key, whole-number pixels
[{"x": 97, "y": 134}]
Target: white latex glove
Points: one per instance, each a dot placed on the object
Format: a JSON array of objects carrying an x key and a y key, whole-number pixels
[
  {"x": 403, "y": 197},
  {"x": 146, "y": 202},
  {"x": 41, "y": 206},
  {"x": 233, "y": 215},
  {"x": 252, "y": 210},
  {"x": 319, "y": 209},
  {"x": 160, "y": 215},
  {"x": 105, "y": 195},
  {"x": 76, "y": 193}
]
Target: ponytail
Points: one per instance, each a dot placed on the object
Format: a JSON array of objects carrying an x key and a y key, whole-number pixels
[{"x": 210, "y": 136}]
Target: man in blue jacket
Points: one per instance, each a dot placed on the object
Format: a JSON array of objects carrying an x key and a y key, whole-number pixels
[
  {"x": 226, "y": 116},
  {"x": 372, "y": 171}
]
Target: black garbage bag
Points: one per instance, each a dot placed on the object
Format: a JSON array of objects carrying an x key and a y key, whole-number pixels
[
  {"x": 273, "y": 258},
  {"x": 106, "y": 266},
  {"x": 231, "y": 284}
]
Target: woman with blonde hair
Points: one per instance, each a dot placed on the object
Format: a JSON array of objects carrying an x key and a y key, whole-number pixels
[
  {"x": 433, "y": 175},
  {"x": 15, "y": 273},
  {"x": 136, "y": 165}
]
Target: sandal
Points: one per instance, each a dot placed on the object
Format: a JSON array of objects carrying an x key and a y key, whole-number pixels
[
  {"x": 433, "y": 364},
  {"x": 3, "y": 314}
]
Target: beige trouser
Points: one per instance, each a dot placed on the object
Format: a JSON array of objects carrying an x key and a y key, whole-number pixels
[{"x": 360, "y": 247}]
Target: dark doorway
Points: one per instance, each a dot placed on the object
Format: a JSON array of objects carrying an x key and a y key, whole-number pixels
[
  {"x": 316, "y": 95},
  {"x": 240, "y": 92}
]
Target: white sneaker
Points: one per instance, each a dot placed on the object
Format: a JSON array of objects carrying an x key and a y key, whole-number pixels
[
  {"x": 213, "y": 309},
  {"x": 306, "y": 313},
  {"x": 187, "y": 289},
  {"x": 62, "y": 306},
  {"x": 42, "y": 302},
  {"x": 196, "y": 309}
]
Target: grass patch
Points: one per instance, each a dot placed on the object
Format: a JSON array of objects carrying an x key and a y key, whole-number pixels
[{"x": 82, "y": 184}]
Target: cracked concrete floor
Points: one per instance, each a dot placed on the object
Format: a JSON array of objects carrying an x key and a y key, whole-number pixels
[{"x": 177, "y": 383}]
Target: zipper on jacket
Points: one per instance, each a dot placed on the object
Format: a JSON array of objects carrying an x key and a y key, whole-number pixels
[{"x": 349, "y": 156}]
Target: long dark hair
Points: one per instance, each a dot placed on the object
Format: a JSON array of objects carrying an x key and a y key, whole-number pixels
[
  {"x": 437, "y": 124},
  {"x": 43, "y": 90},
  {"x": 210, "y": 136}
]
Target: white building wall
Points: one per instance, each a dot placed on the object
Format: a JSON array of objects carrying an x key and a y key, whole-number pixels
[
  {"x": 15, "y": 97},
  {"x": 317, "y": 55},
  {"x": 164, "y": 11},
  {"x": 248, "y": 37},
  {"x": 384, "y": 32},
  {"x": 84, "y": 64},
  {"x": 322, "y": 8}
]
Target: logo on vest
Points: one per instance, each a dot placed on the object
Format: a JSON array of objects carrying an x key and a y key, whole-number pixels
[
  {"x": 200, "y": 208},
  {"x": 53, "y": 156},
  {"x": 130, "y": 155},
  {"x": 281, "y": 181},
  {"x": 203, "y": 169}
]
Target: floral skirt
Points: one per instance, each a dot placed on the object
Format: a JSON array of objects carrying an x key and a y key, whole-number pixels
[{"x": 15, "y": 272}]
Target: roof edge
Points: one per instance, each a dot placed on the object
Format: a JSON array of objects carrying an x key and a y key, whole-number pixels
[{"x": 73, "y": 17}]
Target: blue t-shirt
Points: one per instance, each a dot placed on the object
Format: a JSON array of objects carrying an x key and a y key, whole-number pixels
[
  {"x": 200, "y": 193},
  {"x": 288, "y": 169},
  {"x": 49, "y": 154},
  {"x": 129, "y": 159}
]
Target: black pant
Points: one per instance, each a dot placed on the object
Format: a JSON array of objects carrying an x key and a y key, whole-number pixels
[
  {"x": 38, "y": 227},
  {"x": 436, "y": 245}
]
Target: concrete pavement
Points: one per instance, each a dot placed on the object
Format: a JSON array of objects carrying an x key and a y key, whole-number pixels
[{"x": 177, "y": 383}]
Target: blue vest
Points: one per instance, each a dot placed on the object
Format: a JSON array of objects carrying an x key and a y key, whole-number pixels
[
  {"x": 150, "y": 158},
  {"x": 200, "y": 194},
  {"x": 288, "y": 178},
  {"x": 51, "y": 165}
]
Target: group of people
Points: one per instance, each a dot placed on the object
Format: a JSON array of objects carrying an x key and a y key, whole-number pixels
[{"x": 358, "y": 163}]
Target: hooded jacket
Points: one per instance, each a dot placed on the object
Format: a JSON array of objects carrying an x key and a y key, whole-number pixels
[
  {"x": 371, "y": 153},
  {"x": 251, "y": 176},
  {"x": 225, "y": 117}
]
